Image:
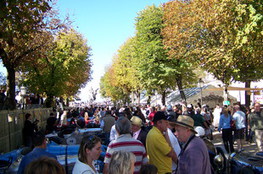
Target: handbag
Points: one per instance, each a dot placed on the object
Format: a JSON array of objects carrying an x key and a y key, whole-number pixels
[{"x": 232, "y": 124}]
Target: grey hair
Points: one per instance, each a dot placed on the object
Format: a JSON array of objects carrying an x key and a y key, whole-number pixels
[
  {"x": 123, "y": 126},
  {"x": 121, "y": 162}
]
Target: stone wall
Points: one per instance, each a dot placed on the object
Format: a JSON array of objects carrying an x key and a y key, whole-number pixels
[{"x": 11, "y": 125}]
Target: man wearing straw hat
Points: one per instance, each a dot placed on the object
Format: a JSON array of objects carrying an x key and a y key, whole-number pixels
[
  {"x": 137, "y": 132},
  {"x": 194, "y": 157}
]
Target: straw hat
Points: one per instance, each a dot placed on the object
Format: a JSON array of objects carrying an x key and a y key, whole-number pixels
[
  {"x": 185, "y": 121},
  {"x": 136, "y": 121}
]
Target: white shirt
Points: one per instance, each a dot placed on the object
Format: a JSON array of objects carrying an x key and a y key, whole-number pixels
[
  {"x": 113, "y": 133},
  {"x": 175, "y": 145},
  {"x": 82, "y": 168},
  {"x": 240, "y": 118}
]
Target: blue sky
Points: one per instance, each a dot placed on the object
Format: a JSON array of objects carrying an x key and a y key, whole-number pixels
[{"x": 106, "y": 24}]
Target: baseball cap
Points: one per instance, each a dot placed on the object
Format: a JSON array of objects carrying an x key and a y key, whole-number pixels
[{"x": 159, "y": 115}]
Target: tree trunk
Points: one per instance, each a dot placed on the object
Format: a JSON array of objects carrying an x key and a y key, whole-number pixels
[
  {"x": 10, "y": 103},
  {"x": 149, "y": 100},
  {"x": 138, "y": 95},
  {"x": 163, "y": 97},
  {"x": 49, "y": 101},
  {"x": 247, "y": 95},
  {"x": 180, "y": 88}
]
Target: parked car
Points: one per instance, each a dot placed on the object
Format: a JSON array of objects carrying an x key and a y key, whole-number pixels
[{"x": 246, "y": 163}]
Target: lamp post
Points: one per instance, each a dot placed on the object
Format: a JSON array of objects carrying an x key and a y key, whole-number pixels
[
  {"x": 23, "y": 93},
  {"x": 201, "y": 84}
]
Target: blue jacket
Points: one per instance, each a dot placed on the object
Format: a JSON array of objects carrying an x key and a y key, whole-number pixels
[
  {"x": 224, "y": 122},
  {"x": 31, "y": 156}
]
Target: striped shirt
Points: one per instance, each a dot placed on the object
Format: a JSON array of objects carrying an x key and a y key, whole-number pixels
[{"x": 126, "y": 143}]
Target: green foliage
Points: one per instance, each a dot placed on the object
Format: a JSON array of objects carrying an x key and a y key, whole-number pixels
[
  {"x": 63, "y": 69},
  {"x": 224, "y": 37},
  {"x": 20, "y": 23}
]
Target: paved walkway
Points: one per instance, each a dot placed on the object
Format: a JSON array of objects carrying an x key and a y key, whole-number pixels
[{"x": 248, "y": 147}]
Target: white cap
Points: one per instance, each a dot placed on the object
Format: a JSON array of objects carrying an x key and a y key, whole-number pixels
[{"x": 200, "y": 131}]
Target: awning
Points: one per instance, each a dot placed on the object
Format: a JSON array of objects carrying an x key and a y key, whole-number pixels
[{"x": 230, "y": 88}]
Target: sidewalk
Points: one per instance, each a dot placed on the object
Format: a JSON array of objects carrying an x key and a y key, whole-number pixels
[{"x": 218, "y": 142}]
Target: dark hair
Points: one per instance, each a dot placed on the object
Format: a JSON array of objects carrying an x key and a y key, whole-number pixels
[
  {"x": 88, "y": 142},
  {"x": 38, "y": 138},
  {"x": 45, "y": 165},
  {"x": 148, "y": 169},
  {"x": 27, "y": 115}
]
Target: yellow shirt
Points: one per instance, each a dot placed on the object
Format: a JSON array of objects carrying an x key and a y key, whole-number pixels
[{"x": 157, "y": 149}]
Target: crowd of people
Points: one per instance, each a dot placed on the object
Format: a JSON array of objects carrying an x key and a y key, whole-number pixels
[{"x": 153, "y": 139}]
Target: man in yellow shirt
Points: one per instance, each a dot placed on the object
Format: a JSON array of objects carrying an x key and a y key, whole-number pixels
[{"x": 159, "y": 150}]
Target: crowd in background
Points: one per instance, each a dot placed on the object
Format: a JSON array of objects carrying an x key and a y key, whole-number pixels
[{"x": 236, "y": 122}]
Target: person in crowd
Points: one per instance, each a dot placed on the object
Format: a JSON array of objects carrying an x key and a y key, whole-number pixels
[
  {"x": 170, "y": 112},
  {"x": 148, "y": 169},
  {"x": 194, "y": 157},
  {"x": 209, "y": 120},
  {"x": 106, "y": 123},
  {"x": 39, "y": 150},
  {"x": 239, "y": 118},
  {"x": 2, "y": 98},
  {"x": 137, "y": 132},
  {"x": 44, "y": 165},
  {"x": 125, "y": 142},
  {"x": 51, "y": 123},
  {"x": 29, "y": 129},
  {"x": 217, "y": 115},
  {"x": 173, "y": 139},
  {"x": 158, "y": 145},
  {"x": 256, "y": 125},
  {"x": 113, "y": 133},
  {"x": 224, "y": 125},
  {"x": 89, "y": 150},
  {"x": 190, "y": 110},
  {"x": 199, "y": 119},
  {"x": 122, "y": 162},
  {"x": 151, "y": 114},
  {"x": 138, "y": 112}
]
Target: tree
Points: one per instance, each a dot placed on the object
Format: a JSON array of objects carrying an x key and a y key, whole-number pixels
[
  {"x": 20, "y": 20},
  {"x": 224, "y": 37},
  {"x": 62, "y": 69},
  {"x": 108, "y": 88},
  {"x": 158, "y": 71},
  {"x": 125, "y": 68}
]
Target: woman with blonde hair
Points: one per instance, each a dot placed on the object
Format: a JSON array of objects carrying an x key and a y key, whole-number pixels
[
  {"x": 89, "y": 151},
  {"x": 122, "y": 163},
  {"x": 224, "y": 125}
]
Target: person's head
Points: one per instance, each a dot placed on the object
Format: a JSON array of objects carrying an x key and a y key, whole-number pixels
[
  {"x": 52, "y": 114},
  {"x": 184, "y": 128},
  {"x": 45, "y": 165},
  {"x": 39, "y": 139},
  {"x": 123, "y": 126},
  {"x": 122, "y": 162},
  {"x": 237, "y": 107},
  {"x": 189, "y": 108},
  {"x": 257, "y": 107},
  {"x": 136, "y": 123},
  {"x": 160, "y": 121},
  {"x": 90, "y": 147},
  {"x": 148, "y": 169},
  {"x": 28, "y": 116},
  {"x": 225, "y": 111}
]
